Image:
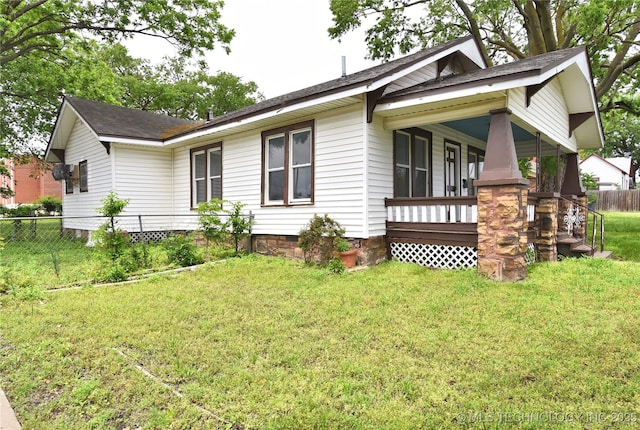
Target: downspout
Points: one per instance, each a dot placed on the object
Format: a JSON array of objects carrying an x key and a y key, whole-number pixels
[{"x": 365, "y": 176}]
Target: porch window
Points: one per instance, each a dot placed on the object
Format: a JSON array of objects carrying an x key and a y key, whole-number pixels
[
  {"x": 206, "y": 173},
  {"x": 475, "y": 163},
  {"x": 412, "y": 162},
  {"x": 287, "y": 170},
  {"x": 83, "y": 171}
]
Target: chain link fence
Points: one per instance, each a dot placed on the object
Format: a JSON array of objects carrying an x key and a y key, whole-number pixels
[{"x": 58, "y": 250}]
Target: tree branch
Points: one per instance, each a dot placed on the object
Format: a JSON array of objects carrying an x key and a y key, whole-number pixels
[
  {"x": 618, "y": 63},
  {"x": 475, "y": 30}
]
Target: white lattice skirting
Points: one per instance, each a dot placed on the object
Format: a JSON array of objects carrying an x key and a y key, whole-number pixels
[{"x": 435, "y": 256}]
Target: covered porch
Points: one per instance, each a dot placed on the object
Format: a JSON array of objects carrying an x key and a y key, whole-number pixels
[{"x": 484, "y": 213}]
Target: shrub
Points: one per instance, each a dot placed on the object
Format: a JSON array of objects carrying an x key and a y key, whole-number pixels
[
  {"x": 182, "y": 251},
  {"x": 318, "y": 237},
  {"x": 237, "y": 226},
  {"x": 50, "y": 204},
  {"x": 108, "y": 236},
  {"x": 336, "y": 266}
]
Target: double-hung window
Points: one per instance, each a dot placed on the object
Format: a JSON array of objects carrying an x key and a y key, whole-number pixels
[
  {"x": 412, "y": 163},
  {"x": 287, "y": 171},
  {"x": 206, "y": 173},
  {"x": 83, "y": 170}
]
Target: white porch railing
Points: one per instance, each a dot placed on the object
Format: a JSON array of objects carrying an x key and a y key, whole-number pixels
[{"x": 433, "y": 210}]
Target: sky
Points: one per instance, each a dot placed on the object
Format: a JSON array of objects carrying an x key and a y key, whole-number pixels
[{"x": 281, "y": 45}]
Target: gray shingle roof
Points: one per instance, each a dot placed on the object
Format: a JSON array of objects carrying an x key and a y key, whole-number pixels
[
  {"x": 526, "y": 67},
  {"x": 336, "y": 85},
  {"x": 118, "y": 121}
]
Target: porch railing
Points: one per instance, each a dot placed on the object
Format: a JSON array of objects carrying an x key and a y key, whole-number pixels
[
  {"x": 574, "y": 216},
  {"x": 433, "y": 209},
  {"x": 448, "y": 221}
]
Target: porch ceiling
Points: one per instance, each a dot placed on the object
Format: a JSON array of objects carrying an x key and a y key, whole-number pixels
[{"x": 478, "y": 127}]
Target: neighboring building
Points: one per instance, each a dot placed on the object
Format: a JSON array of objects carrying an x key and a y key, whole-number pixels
[
  {"x": 396, "y": 153},
  {"x": 610, "y": 173},
  {"x": 29, "y": 181}
]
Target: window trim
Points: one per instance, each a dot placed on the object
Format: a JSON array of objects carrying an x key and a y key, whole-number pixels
[
  {"x": 414, "y": 132},
  {"x": 207, "y": 169},
  {"x": 287, "y": 192},
  {"x": 83, "y": 171}
]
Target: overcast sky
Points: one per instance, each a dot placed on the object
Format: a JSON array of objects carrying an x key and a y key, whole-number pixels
[{"x": 282, "y": 45}]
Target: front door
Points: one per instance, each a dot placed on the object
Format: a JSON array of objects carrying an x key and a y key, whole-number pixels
[{"x": 452, "y": 169}]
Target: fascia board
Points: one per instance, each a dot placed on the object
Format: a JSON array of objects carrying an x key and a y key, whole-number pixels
[
  {"x": 452, "y": 93},
  {"x": 130, "y": 141}
]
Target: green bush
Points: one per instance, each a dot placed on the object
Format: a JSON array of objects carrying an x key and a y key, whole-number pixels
[
  {"x": 182, "y": 251},
  {"x": 50, "y": 204},
  {"x": 318, "y": 237}
]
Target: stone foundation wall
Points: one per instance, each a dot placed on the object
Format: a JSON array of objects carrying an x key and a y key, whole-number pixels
[{"x": 370, "y": 251}]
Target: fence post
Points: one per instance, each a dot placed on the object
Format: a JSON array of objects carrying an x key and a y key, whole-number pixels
[
  {"x": 142, "y": 238},
  {"x": 250, "y": 239}
]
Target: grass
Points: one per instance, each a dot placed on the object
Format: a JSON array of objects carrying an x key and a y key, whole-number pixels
[
  {"x": 622, "y": 234},
  {"x": 272, "y": 344}
]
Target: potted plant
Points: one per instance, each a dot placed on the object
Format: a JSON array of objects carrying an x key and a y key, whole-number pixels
[{"x": 345, "y": 252}]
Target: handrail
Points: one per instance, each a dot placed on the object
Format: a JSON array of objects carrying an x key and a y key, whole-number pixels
[
  {"x": 595, "y": 214},
  {"x": 431, "y": 201}
]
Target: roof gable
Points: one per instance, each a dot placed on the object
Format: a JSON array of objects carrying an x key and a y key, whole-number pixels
[
  {"x": 621, "y": 164},
  {"x": 117, "y": 121}
]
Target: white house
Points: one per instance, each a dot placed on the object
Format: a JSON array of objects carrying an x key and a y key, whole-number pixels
[
  {"x": 369, "y": 149},
  {"x": 610, "y": 173}
]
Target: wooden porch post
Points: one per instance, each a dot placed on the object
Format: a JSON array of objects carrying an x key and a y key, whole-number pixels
[{"x": 502, "y": 205}]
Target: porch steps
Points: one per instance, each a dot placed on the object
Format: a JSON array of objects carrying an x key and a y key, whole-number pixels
[
  {"x": 603, "y": 254},
  {"x": 573, "y": 247}
]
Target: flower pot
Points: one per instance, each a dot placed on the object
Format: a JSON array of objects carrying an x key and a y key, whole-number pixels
[{"x": 349, "y": 257}]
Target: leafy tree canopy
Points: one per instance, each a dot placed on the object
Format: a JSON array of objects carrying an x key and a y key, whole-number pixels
[
  {"x": 45, "y": 25},
  {"x": 515, "y": 29},
  {"x": 508, "y": 29}
]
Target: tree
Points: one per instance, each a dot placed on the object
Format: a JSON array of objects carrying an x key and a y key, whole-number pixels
[
  {"x": 516, "y": 29},
  {"x": 622, "y": 137},
  {"x": 46, "y": 25},
  {"x": 176, "y": 87},
  {"x": 46, "y": 47},
  {"x": 508, "y": 29}
]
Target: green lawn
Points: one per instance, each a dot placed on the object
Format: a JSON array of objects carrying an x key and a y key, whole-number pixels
[
  {"x": 622, "y": 234},
  {"x": 271, "y": 344}
]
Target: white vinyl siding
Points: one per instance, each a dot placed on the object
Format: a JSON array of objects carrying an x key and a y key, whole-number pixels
[
  {"x": 338, "y": 179},
  {"x": 380, "y": 180},
  {"x": 144, "y": 177},
  {"x": 84, "y": 146},
  {"x": 547, "y": 113}
]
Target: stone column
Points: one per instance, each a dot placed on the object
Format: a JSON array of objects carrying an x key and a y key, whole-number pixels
[
  {"x": 580, "y": 230},
  {"x": 502, "y": 231},
  {"x": 547, "y": 222},
  {"x": 502, "y": 205}
]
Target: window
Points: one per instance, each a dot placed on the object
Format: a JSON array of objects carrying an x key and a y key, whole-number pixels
[
  {"x": 412, "y": 162},
  {"x": 287, "y": 165},
  {"x": 68, "y": 186},
  {"x": 475, "y": 163},
  {"x": 84, "y": 176},
  {"x": 206, "y": 173}
]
